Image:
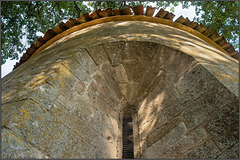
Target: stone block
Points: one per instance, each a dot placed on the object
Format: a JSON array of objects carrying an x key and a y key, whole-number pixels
[
  {"x": 77, "y": 145},
  {"x": 86, "y": 132},
  {"x": 173, "y": 108},
  {"x": 206, "y": 151},
  {"x": 136, "y": 137},
  {"x": 64, "y": 101},
  {"x": 231, "y": 153},
  {"x": 45, "y": 95},
  {"x": 205, "y": 106},
  {"x": 161, "y": 56},
  {"x": 110, "y": 77},
  {"x": 107, "y": 148},
  {"x": 10, "y": 109},
  {"x": 165, "y": 143},
  {"x": 186, "y": 62},
  {"x": 103, "y": 91},
  {"x": 115, "y": 55},
  {"x": 61, "y": 113},
  {"x": 172, "y": 77},
  {"x": 140, "y": 50},
  {"x": 160, "y": 120},
  {"x": 158, "y": 133},
  {"x": 157, "y": 95},
  {"x": 84, "y": 107},
  {"x": 130, "y": 52},
  {"x": 77, "y": 70},
  {"x": 98, "y": 54},
  {"x": 150, "y": 114},
  {"x": 39, "y": 128},
  {"x": 121, "y": 75},
  {"x": 128, "y": 90},
  {"x": 170, "y": 92},
  {"x": 133, "y": 70},
  {"x": 68, "y": 110},
  {"x": 83, "y": 57},
  {"x": 105, "y": 108},
  {"x": 80, "y": 87},
  {"x": 161, "y": 97},
  {"x": 153, "y": 69},
  {"x": 190, "y": 78},
  {"x": 62, "y": 80},
  {"x": 82, "y": 112},
  {"x": 83, "y": 150},
  {"x": 22, "y": 84},
  {"x": 148, "y": 111},
  {"x": 192, "y": 139},
  {"x": 172, "y": 61},
  {"x": 225, "y": 72},
  {"x": 224, "y": 126},
  {"x": 157, "y": 83},
  {"x": 148, "y": 50},
  {"x": 204, "y": 84},
  {"x": 152, "y": 106},
  {"x": 144, "y": 111},
  {"x": 177, "y": 66},
  {"x": 151, "y": 123},
  {"x": 36, "y": 88},
  {"x": 14, "y": 94},
  {"x": 15, "y": 147},
  {"x": 105, "y": 125}
]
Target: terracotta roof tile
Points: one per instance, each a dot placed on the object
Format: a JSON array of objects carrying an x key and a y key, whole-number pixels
[
  {"x": 180, "y": 19},
  {"x": 94, "y": 15},
  {"x": 125, "y": 11},
  {"x": 206, "y": 32},
  {"x": 161, "y": 13},
  {"x": 115, "y": 12},
  {"x": 138, "y": 10},
  {"x": 109, "y": 11},
  {"x": 169, "y": 16},
  {"x": 200, "y": 28},
  {"x": 150, "y": 11},
  {"x": 192, "y": 24}
]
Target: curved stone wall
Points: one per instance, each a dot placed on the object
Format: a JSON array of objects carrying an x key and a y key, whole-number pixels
[{"x": 68, "y": 101}]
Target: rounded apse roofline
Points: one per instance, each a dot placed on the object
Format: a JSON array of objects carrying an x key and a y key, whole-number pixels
[{"x": 102, "y": 16}]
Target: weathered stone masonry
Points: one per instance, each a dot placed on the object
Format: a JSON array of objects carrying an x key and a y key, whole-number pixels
[{"x": 69, "y": 100}]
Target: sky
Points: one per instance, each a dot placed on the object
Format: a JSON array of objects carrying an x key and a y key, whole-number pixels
[{"x": 190, "y": 13}]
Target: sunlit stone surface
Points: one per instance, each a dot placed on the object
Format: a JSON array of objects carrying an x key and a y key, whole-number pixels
[{"x": 67, "y": 102}]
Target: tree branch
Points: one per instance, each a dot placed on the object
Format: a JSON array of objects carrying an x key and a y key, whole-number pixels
[
  {"x": 39, "y": 15},
  {"x": 54, "y": 6},
  {"x": 58, "y": 5},
  {"x": 77, "y": 8},
  {"x": 220, "y": 5},
  {"x": 29, "y": 9}
]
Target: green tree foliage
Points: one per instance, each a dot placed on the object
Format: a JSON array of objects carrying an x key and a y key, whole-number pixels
[
  {"x": 222, "y": 16},
  {"x": 25, "y": 18}
]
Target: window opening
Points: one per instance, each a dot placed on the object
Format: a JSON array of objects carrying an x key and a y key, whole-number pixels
[{"x": 127, "y": 138}]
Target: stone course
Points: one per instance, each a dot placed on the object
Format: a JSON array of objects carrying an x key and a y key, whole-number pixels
[
  {"x": 67, "y": 101},
  {"x": 207, "y": 150}
]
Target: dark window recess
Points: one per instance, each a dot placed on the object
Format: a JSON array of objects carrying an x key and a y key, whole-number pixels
[{"x": 127, "y": 138}]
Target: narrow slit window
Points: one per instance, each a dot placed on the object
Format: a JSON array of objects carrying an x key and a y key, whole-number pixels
[{"x": 127, "y": 138}]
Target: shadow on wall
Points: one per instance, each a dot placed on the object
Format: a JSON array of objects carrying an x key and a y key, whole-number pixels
[
  {"x": 176, "y": 111},
  {"x": 61, "y": 117},
  {"x": 68, "y": 104}
]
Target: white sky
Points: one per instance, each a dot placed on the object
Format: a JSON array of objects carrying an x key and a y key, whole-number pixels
[{"x": 190, "y": 13}]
